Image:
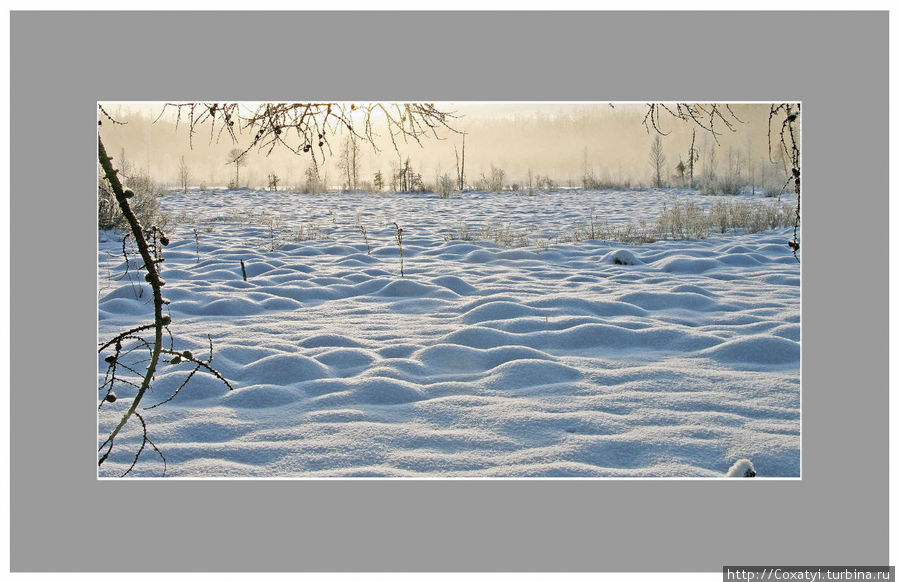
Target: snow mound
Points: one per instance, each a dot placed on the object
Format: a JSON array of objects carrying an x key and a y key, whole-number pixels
[
  {"x": 688, "y": 266},
  {"x": 202, "y": 386},
  {"x": 742, "y": 468},
  {"x": 385, "y": 391},
  {"x": 652, "y": 301},
  {"x": 529, "y": 373},
  {"x": 346, "y": 358},
  {"x": 283, "y": 369},
  {"x": 260, "y": 397},
  {"x": 454, "y": 284},
  {"x": 622, "y": 257},
  {"x": 499, "y": 310},
  {"x": 330, "y": 340},
  {"x": 756, "y": 350},
  {"x": 406, "y": 288}
]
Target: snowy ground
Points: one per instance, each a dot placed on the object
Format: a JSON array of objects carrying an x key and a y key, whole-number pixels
[{"x": 483, "y": 361}]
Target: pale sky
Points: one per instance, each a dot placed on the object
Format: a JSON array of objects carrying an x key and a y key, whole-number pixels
[{"x": 560, "y": 139}]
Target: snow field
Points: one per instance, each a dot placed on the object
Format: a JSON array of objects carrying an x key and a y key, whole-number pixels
[{"x": 592, "y": 359}]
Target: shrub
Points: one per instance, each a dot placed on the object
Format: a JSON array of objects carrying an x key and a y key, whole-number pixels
[
  {"x": 495, "y": 181},
  {"x": 272, "y": 221},
  {"x": 727, "y": 186},
  {"x": 772, "y": 190},
  {"x": 145, "y": 204},
  {"x": 544, "y": 182},
  {"x": 445, "y": 186},
  {"x": 310, "y": 231}
]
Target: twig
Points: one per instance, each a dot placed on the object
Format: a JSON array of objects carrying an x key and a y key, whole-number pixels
[
  {"x": 399, "y": 242},
  {"x": 365, "y": 236}
]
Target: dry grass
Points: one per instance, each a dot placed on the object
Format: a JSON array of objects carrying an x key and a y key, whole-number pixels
[
  {"x": 501, "y": 233},
  {"x": 749, "y": 217},
  {"x": 680, "y": 220},
  {"x": 686, "y": 220}
]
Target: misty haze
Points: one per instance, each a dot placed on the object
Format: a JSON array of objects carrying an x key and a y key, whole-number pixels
[{"x": 449, "y": 290}]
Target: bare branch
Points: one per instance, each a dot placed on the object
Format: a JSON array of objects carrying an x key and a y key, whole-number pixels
[{"x": 310, "y": 124}]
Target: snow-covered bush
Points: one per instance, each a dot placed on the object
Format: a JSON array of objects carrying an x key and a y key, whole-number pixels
[
  {"x": 622, "y": 257},
  {"x": 742, "y": 468}
]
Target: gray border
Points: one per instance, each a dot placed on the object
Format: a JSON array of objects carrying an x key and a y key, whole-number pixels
[{"x": 64, "y": 519}]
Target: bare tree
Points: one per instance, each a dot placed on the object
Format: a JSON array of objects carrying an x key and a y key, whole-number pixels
[
  {"x": 235, "y": 157},
  {"x": 692, "y": 157},
  {"x": 273, "y": 181},
  {"x": 349, "y": 162},
  {"x": 460, "y": 165},
  {"x": 314, "y": 183},
  {"x": 126, "y": 169},
  {"x": 656, "y": 161},
  {"x": 394, "y": 177},
  {"x": 407, "y": 180},
  {"x": 183, "y": 175},
  {"x": 589, "y": 178},
  {"x": 709, "y": 164},
  {"x": 750, "y": 168}
]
